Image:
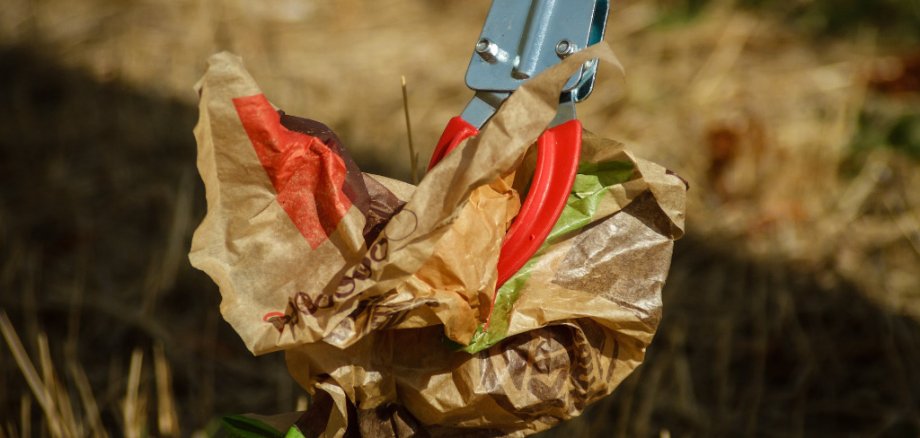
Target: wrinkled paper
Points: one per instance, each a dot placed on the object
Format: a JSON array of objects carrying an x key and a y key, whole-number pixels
[{"x": 378, "y": 291}]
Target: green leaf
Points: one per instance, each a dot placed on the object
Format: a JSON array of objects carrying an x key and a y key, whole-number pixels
[
  {"x": 239, "y": 426},
  {"x": 592, "y": 182},
  {"x": 294, "y": 432}
]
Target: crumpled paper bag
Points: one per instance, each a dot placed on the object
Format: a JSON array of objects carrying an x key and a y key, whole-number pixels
[{"x": 379, "y": 292}]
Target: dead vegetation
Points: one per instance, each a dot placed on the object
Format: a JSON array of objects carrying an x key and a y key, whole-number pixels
[
  {"x": 801, "y": 155},
  {"x": 755, "y": 348}
]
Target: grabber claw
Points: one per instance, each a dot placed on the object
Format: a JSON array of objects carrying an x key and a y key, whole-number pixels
[{"x": 520, "y": 39}]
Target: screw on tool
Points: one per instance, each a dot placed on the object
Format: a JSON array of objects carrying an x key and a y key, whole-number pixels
[
  {"x": 565, "y": 48},
  {"x": 488, "y": 50}
]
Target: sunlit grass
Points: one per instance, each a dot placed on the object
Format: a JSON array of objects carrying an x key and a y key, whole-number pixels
[{"x": 795, "y": 127}]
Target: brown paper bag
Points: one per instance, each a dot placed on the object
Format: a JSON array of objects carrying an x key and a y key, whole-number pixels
[{"x": 378, "y": 291}]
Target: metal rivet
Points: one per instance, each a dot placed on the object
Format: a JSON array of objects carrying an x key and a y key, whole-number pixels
[
  {"x": 565, "y": 48},
  {"x": 487, "y": 49}
]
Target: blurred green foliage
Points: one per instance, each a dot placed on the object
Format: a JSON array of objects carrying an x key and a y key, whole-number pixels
[
  {"x": 890, "y": 118},
  {"x": 889, "y": 126},
  {"x": 241, "y": 426},
  {"x": 895, "y": 20},
  {"x": 679, "y": 11}
]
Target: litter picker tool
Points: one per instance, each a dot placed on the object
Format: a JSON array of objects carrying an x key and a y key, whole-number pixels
[{"x": 519, "y": 40}]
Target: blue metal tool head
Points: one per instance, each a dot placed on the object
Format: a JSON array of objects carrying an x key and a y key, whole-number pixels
[{"x": 521, "y": 38}]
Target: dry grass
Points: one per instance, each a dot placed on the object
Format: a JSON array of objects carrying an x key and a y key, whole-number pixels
[
  {"x": 761, "y": 123},
  {"x": 63, "y": 417},
  {"x": 756, "y": 118},
  {"x": 760, "y": 119}
]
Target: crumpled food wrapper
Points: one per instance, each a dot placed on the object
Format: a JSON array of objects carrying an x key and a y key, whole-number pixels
[{"x": 380, "y": 293}]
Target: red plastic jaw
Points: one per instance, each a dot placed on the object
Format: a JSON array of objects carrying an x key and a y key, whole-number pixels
[
  {"x": 455, "y": 132},
  {"x": 558, "y": 152}
]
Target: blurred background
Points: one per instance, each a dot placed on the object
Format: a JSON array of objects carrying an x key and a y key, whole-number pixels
[{"x": 793, "y": 303}]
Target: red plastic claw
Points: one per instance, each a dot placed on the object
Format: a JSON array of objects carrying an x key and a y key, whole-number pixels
[
  {"x": 456, "y": 131},
  {"x": 558, "y": 152}
]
